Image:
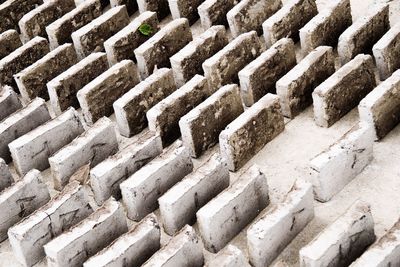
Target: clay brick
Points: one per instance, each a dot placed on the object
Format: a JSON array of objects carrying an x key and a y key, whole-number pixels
[
  {"x": 32, "y": 80},
  {"x": 230, "y": 256},
  {"x": 188, "y": 61},
  {"x": 9, "y": 102},
  {"x": 155, "y": 52},
  {"x": 97, "y": 97},
  {"x": 296, "y": 87},
  {"x": 259, "y": 77},
  {"x": 343, "y": 91},
  {"x": 289, "y": 20},
  {"x": 63, "y": 88},
  {"x": 130, "y": 110},
  {"x": 9, "y": 41},
  {"x": 11, "y": 11},
  {"x": 161, "y": 7},
  {"x": 227, "y": 214},
  {"x": 90, "y": 38},
  {"x": 131, "y": 5},
  {"x": 201, "y": 127},
  {"x": 223, "y": 67},
  {"x": 121, "y": 45},
  {"x": 185, "y": 9},
  {"x": 213, "y": 12},
  {"x": 6, "y": 178}
]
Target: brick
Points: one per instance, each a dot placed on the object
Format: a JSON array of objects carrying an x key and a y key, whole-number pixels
[
  {"x": 213, "y": 12},
  {"x": 132, "y": 248},
  {"x": 106, "y": 177},
  {"x": 296, "y": 87},
  {"x": 159, "y": 6},
  {"x": 62, "y": 89},
  {"x": 32, "y": 150},
  {"x": 20, "y": 123},
  {"x": 289, "y": 20},
  {"x": 386, "y": 52},
  {"x": 381, "y": 107},
  {"x": 130, "y": 109},
  {"x": 141, "y": 191},
  {"x": 178, "y": 206},
  {"x": 383, "y": 252},
  {"x": 248, "y": 15},
  {"x": 334, "y": 168},
  {"x": 185, "y": 9},
  {"x": 155, "y": 52},
  {"x": 227, "y": 214},
  {"x": 259, "y": 77},
  {"x": 326, "y": 27},
  {"x": 201, "y": 127},
  {"x": 163, "y": 118},
  {"x": 230, "y": 256},
  {"x": 363, "y": 34},
  {"x": 184, "y": 249},
  {"x": 9, "y": 41},
  {"x": 21, "y": 199},
  {"x": 6, "y": 178},
  {"x": 74, "y": 247},
  {"x": 251, "y": 131},
  {"x": 65, "y": 210},
  {"x": 22, "y": 58},
  {"x": 59, "y": 32},
  {"x": 92, "y": 147},
  {"x": 97, "y": 97},
  {"x": 11, "y": 11},
  {"x": 131, "y": 5},
  {"x": 269, "y": 235},
  {"x": 32, "y": 80},
  {"x": 343, "y": 91},
  {"x": 188, "y": 61},
  {"x": 90, "y": 38},
  {"x": 343, "y": 241},
  {"x": 223, "y": 67},
  {"x": 9, "y": 102},
  {"x": 34, "y": 23},
  {"x": 121, "y": 45}
]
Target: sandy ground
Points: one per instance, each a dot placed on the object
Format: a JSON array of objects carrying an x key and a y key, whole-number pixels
[{"x": 286, "y": 159}]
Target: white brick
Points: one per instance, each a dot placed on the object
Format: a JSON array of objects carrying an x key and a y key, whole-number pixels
[
  {"x": 230, "y": 256},
  {"x": 6, "y": 178},
  {"x": 9, "y": 102}
]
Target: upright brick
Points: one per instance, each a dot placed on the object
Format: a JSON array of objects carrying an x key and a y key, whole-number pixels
[
  {"x": 32, "y": 150},
  {"x": 343, "y": 91},
  {"x": 141, "y": 191},
  {"x": 363, "y": 34},
  {"x": 185, "y": 9},
  {"x": 343, "y": 241},
  {"x": 21, "y": 199},
  {"x": 201, "y": 127},
  {"x": 159, "y": 6},
  {"x": 121, "y": 45},
  {"x": 163, "y": 118},
  {"x": 226, "y": 215},
  {"x": 156, "y": 51},
  {"x": 188, "y": 61},
  {"x": 251, "y": 131},
  {"x": 213, "y": 12},
  {"x": 34, "y": 23},
  {"x": 97, "y": 97},
  {"x": 130, "y": 110},
  {"x": 11, "y": 11},
  {"x": 326, "y": 27},
  {"x": 9, "y": 41},
  {"x": 22, "y": 58},
  {"x": 90, "y": 38},
  {"x": 65, "y": 210},
  {"x": 59, "y": 32},
  {"x": 74, "y": 247},
  {"x": 9, "y": 102},
  {"x": 381, "y": 108},
  {"x": 289, "y": 20},
  {"x": 259, "y": 77},
  {"x": 223, "y": 67},
  {"x": 6, "y": 178},
  {"x": 131, "y": 5},
  {"x": 92, "y": 147},
  {"x": 248, "y": 15},
  {"x": 269, "y": 235},
  {"x": 20, "y": 123},
  {"x": 296, "y": 87},
  {"x": 32, "y": 80},
  {"x": 63, "y": 88}
]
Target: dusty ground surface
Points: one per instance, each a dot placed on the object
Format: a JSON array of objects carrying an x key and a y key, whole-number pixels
[{"x": 286, "y": 158}]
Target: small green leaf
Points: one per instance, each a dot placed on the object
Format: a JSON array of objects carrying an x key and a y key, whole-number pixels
[{"x": 145, "y": 29}]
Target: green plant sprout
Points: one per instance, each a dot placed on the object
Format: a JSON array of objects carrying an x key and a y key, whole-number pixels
[{"x": 146, "y": 29}]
